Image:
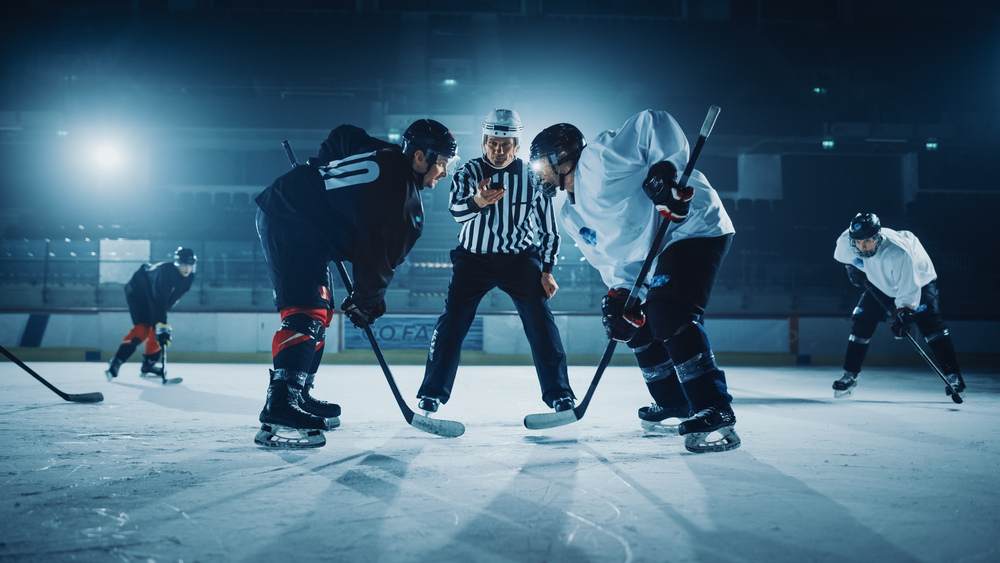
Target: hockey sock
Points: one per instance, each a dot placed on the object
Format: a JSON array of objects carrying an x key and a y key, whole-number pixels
[
  {"x": 703, "y": 381},
  {"x": 294, "y": 345},
  {"x": 661, "y": 379},
  {"x": 944, "y": 350},
  {"x": 857, "y": 349}
]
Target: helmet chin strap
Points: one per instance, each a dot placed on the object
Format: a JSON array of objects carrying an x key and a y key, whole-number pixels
[{"x": 562, "y": 183}]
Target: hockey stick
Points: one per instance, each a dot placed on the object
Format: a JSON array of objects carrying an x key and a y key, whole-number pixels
[
  {"x": 440, "y": 427},
  {"x": 95, "y": 397},
  {"x": 955, "y": 397},
  {"x": 552, "y": 419},
  {"x": 163, "y": 375}
]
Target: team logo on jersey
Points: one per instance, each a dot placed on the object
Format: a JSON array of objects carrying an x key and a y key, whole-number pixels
[
  {"x": 659, "y": 281},
  {"x": 588, "y": 235}
]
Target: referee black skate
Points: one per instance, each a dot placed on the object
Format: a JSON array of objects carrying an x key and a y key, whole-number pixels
[{"x": 508, "y": 240}]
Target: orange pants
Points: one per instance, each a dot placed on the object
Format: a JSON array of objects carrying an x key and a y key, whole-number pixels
[{"x": 147, "y": 333}]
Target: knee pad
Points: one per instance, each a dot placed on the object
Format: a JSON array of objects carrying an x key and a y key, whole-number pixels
[
  {"x": 300, "y": 326},
  {"x": 311, "y": 322},
  {"x": 667, "y": 320}
]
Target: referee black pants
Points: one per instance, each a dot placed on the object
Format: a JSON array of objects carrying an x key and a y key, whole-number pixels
[{"x": 519, "y": 276}]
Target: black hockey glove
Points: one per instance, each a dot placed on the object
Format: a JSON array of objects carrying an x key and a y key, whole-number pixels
[
  {"x": 362, "y": 315},
  {"x": 163, "y": 334},
  {"x": 901, "y": 322},
  {"x": 856, "y": 276},
  {"x": 661, "y": 186},
  {"x": 619, "y": 323}
]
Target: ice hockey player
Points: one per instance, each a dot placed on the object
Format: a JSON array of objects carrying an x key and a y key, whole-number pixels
[
  {"x": 150, "y": 293},
  {"x": 903, "y": 277},
  {"x": 508, "y": 240},
  {"x": 357, "y": 201},
  {"x": 617, "y": 191}
]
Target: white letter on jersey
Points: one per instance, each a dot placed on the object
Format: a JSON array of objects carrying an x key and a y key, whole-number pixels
[{"x": 350, "y": 171}]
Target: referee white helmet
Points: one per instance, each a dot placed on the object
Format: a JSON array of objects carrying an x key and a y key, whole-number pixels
[{"x": 502, "y": 123}]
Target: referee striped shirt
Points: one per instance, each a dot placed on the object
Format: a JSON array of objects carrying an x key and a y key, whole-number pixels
[{"x": 523, "y": 217}]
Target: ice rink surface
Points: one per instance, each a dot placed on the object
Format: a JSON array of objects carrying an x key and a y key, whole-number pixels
[{"x": 896, "y": 473}]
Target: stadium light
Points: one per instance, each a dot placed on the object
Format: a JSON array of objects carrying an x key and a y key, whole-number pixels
[
  {"x": 828, "y": 144},
  {"x": 449, "y": 82},
  {"x": 931, "y": 144},
  {"x": 107, "y": 157}
]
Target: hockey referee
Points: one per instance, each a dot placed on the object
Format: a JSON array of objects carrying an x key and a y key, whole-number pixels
[{"x": 508, "y": 240}]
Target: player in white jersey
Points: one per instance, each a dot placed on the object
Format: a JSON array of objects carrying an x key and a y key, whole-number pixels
[
  {"x": 618, "y": 190},
  {"x": 901, "y": 274}
]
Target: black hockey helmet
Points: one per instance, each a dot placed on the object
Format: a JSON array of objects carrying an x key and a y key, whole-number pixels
[
  {"x": 433, "y": 138},
  {"x": 864, "y": 226},
  {"x": 556, "y": 144},
  {"x": 185, "y": 256}
]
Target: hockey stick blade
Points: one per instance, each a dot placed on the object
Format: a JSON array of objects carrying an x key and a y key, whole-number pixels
[
  {"x": 95, "y": 397},
  {"x": 542, "y": 420},
  {"x": 438, "y": 427}
]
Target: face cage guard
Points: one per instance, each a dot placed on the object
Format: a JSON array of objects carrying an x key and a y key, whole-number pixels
[{"x": 878, "y": 243}]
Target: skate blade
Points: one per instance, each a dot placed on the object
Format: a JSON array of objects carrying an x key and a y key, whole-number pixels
[
  {"x": 109, "y": 375},
  {"x": 698, "y": 442},
  {"x": 651, "y": 427},
  {"x": 149, "y": 375},
  {"x": 332, "y": 422},
  {"x": 274, "y": 436},
  {"x": 843, "y": 394}
]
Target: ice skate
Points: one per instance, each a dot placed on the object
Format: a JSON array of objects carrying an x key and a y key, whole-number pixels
[
  {"x": 563, "y": 404},
  {"x": 698, "y": 428},
  {"x": 112, "y": 372},
  {"x": 844, "y": 387},
  {"x": 330, "y": 412},
  {"x": 653, "y": 418},
  {"x": 956, "y": 384},
  {"x": 284, "y": 424},
  {"x": 428, "y": 405},
  {"x": 152, "y": 367}
]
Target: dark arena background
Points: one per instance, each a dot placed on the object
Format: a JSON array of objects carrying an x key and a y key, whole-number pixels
[{"x": 129, "y": 128}]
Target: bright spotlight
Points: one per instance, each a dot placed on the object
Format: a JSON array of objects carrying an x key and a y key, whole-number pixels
[
  {"x": 449, "y": 82},
  {"x": 107, "y": 157}
]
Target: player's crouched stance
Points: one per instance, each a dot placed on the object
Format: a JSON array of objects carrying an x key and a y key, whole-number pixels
[
  {"x": 893, "y": 271},
  {"x": 608, "y": 212},
  {"x": 357, "y": 201}
]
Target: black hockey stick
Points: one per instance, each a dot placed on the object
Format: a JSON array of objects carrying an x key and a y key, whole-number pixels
[
  {"x": 95, "y": 397},
  {"x": 955, "y": 397},
  {"x": 440, "y": 427},
  {"x": 553, "y": 419},
  {"x": 163, "y": 374}
]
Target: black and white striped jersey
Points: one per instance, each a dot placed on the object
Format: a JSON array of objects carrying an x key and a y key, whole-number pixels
[{"x": 521, "y": 219}]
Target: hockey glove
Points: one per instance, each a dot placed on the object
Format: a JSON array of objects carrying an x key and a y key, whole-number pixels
[
  {"x": 856, "y": 276},
  {"x": 361, "y": 314},
  {"x": 661, "y": 186},
  {"x": 901, "y": 322},
  {"x": 619, "y": 323},
  {"x": 163, "y": 334}
]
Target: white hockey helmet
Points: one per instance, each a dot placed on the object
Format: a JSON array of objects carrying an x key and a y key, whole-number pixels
[{"x": 502, "y": 123}]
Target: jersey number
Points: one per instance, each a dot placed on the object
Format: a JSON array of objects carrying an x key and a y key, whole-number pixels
[{"x": 350, "y": 171}]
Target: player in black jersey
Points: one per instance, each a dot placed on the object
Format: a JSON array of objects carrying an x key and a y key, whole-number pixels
[
  {"x": 357, "y": 201},
  {"x": 150, "y": 293}
]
